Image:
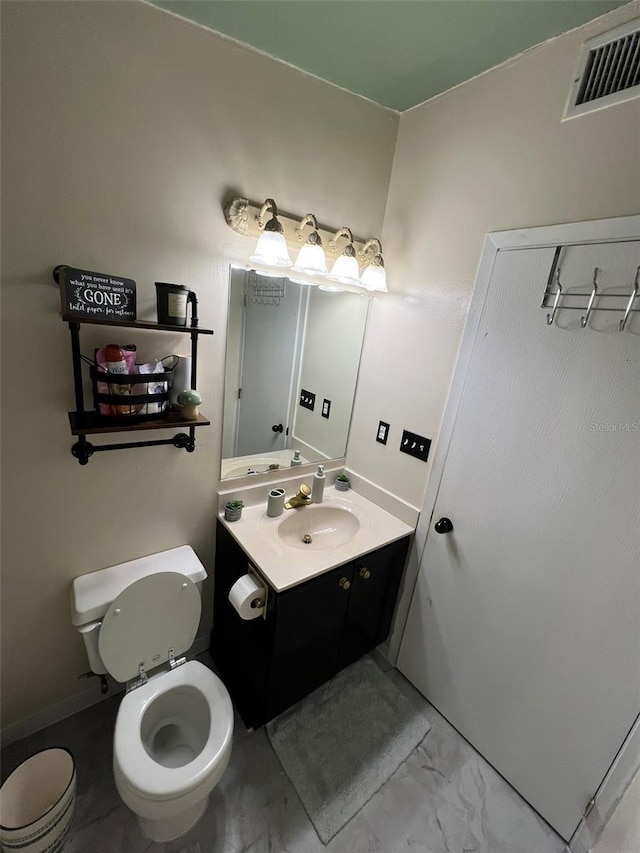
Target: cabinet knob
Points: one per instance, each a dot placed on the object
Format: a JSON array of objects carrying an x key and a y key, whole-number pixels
[
  {"x": 344, "y": 583},
  {"x": 365, "y": 573}
]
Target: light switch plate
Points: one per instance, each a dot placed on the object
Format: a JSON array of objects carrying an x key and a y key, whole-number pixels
[
  {"x": 307, "y": 399},
  {"x": 415, "y": 445},
  {"x": 383, "y": 432}
]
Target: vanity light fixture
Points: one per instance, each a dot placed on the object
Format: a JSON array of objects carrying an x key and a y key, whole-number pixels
[
  {"x": 271, "y": 248},
  {"x": 311, "y": 258},
  {"x": 374, "y": 277},
  {"x": 279, "y": 233},
  {"x": 345, "y": 270}
]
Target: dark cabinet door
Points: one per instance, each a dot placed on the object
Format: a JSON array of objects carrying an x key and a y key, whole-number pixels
[
  {"x": 241, "y": 649},
  {"x": 309, "y": 621},
  {"x": 311, "y": 631},
  {"x": 376, "y": 579}
]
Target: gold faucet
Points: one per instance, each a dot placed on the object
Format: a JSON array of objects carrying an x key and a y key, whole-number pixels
[{"x": 303, "y": 498}]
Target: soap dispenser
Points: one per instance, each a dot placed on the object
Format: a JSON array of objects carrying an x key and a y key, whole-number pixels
[
  {"x": 296, "y": 459},
  {"x": 317, "y": 490}
]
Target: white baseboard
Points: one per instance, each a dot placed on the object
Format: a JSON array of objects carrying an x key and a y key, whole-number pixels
[{"x": 79, "y": 702}]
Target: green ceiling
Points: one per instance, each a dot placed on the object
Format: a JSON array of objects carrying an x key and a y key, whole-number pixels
[{"x": 396, "y": 52}]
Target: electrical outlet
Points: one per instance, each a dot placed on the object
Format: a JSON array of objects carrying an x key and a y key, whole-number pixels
[
  {"x": 415, "y": 445},
  {"x": 383, "y": 432},
  {"x": 307, "y": 399},
  {"x": 326, "y": 407}
]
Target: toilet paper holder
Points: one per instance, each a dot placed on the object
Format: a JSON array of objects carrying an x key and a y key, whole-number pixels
[{"x": 251, "y": 570}]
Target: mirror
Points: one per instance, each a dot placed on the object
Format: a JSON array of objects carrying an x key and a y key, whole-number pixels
[{"x": 293, "y": 353}]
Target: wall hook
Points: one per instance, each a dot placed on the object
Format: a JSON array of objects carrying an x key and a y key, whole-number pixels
[
  {"x": 584, "y": 320},
  {"x": 632, "y": 297},
  {"x": 556, "y": 300}
]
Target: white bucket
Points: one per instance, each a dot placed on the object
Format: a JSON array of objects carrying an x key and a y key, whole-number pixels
[{"x": 36, "y": 803}]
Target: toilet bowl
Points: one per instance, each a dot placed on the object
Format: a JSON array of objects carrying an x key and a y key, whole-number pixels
[
  {"x": 172, "y": 744},
  {"x": 174, "y": 727}
]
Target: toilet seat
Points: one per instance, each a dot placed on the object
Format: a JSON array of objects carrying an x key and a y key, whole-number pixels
[
  {"x": 153, "y": 615},
  {"x": 148, "y": 779}
]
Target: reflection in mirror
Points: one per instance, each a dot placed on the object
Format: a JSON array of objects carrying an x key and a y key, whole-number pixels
[{"x": 283, "y": 339}]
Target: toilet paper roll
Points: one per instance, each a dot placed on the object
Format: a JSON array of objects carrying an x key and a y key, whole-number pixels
[{"x": 248, "y": 596}]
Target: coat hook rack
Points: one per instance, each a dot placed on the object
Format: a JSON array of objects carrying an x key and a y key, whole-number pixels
[{"x": 591, "y": 302}]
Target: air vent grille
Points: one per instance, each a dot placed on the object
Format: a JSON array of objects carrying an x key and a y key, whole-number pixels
[
  {"x": 608, "y": 71},
  {"x": 611, "y": 68}
]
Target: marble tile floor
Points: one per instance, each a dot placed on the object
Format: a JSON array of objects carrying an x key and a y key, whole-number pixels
[{"x": 443, "y": 799}]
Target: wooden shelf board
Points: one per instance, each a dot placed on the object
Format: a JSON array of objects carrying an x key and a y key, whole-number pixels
[
  {"x": 136, "y": 324},
  {"x": 90, "y": 423}
]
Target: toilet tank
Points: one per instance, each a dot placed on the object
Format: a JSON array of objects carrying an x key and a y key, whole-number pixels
[{"x": 92, "y": 594}]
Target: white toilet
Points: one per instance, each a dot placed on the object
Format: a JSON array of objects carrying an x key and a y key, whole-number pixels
[{"x": 174, "y": 727}]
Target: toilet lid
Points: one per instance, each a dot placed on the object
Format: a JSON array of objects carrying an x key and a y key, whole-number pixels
[{"x": 154, "y": 614}]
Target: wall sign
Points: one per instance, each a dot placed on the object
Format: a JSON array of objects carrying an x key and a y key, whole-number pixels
[{"x": 96, "y": 294}]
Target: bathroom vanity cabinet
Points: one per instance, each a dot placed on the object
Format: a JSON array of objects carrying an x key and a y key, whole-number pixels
[{"x": 309, "y": 633}]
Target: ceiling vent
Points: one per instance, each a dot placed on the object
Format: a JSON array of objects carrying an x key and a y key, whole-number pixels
[{"x": 608, "y": 71}]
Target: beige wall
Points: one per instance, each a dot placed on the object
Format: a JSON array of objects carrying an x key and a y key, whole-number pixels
[
  {"x": 123, "y": 129},
  {"x": 489, "y": 155}
]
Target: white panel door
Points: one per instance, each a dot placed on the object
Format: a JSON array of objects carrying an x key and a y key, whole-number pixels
[
  {"x": 524, "y": 627},
  {"x": 271, "y": 339}
]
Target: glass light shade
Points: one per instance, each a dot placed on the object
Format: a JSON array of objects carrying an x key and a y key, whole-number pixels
[
  {"x": 345, "y": 270},
  {"x": 311, "y": 260},
  {"x": 374, "y": 278},
  {"x": 331, "y": 288},
  {"x": 271, "y": 250}
]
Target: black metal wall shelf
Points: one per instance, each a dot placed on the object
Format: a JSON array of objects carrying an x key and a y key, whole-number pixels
[
  {"x": 138, "y": 324},
  {"x": 84, "y": 423}
]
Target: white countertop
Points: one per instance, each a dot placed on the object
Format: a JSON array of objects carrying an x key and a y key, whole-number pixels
[{"x": 284, "y": 566}]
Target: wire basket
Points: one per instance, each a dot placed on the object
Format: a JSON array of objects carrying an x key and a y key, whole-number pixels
[{"x": 132, "y": 397}]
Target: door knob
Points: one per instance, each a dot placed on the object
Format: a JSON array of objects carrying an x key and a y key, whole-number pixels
[
  {"x": 444, "y": 525},
  {"x": 277, "y": 428}
]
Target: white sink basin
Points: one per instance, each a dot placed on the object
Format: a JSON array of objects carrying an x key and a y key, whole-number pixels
[
  {"x": 257, "y": 463},
  {"x": 344, "y": 526},
  {"x": 318, "y": 526},
  {"x": 243, "y": 467}
]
